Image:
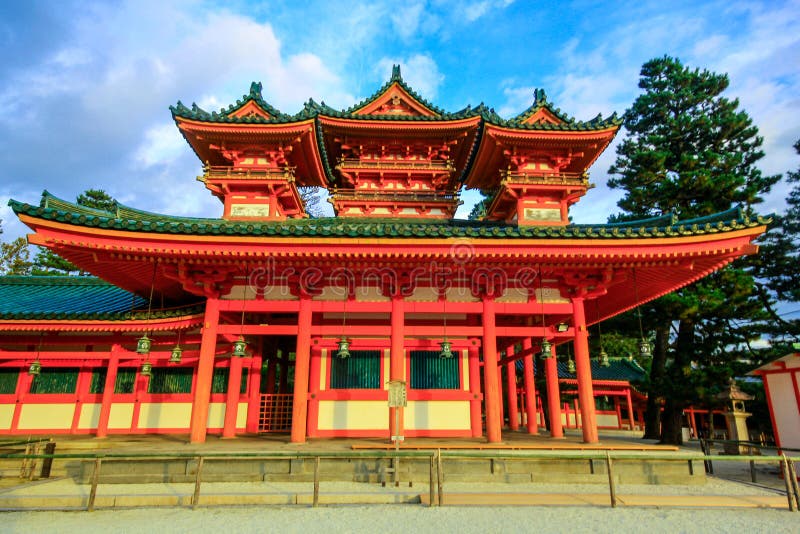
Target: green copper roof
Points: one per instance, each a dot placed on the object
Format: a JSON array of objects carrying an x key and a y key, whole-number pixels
[
  {"x": 312, "y": 110},
  {"x": 617, "y": 369},
  {"x": 129, "y": 219},
  {"x": 73, "y": 297}
]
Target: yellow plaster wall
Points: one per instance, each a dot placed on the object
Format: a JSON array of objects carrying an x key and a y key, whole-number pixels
[
  {"x": 353, "y": 415},
  {"x": 158, "y": 415},
  {"x": 6, "y": 414},
  {"x": 465, "y": 369},
  {"x": 437, "y": 415},
  {"x": 241, "y": 415},
  {"x": 90, "y": 415},
  {"x": 323, "y": 368},
  {"x": 216, "y": 415},
  {"x": 121, "y": 415},
  {"x": 607, "y": 420},
  {"x": 46, "y": 416}
]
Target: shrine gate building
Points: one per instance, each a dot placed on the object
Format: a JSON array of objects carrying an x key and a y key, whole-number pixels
[{"x": 267, "y": 319}]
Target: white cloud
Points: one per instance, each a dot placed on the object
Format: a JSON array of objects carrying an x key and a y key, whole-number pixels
[
  {"x": 161, "y": 145},
  {"x": 419, "y": 71}
]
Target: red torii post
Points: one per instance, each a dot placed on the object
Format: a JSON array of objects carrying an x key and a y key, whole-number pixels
[
  {"x": 511, "y": 385},
  {"x": 583, "y": 369},
  {"x": 205, "y": 372},
  {"x": 530, "y": 388},
  {"x": 476, "y": 423},
  {"x": 108, "y": 391},
  {"x": 490, "y": 370},
  {"x": 553, "y": 395},
  {"x": 301, "y": 369},
  {"x": 232, "y": 398}
]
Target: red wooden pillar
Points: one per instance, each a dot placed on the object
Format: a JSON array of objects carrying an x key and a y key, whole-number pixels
[
  {"x": 397, "y": 361},
  {"x": 108, "y": 391},
  {"x": 530, "y": 389},
  {"x": 205, "y": 372},
  {"x": 553, "y": 396},
  {"x": 583, "y": 370},
  {"x": 619, "y": 412},
  {"x": 254, "y": 391},
  {"x": 630, "y": 409},
  {"x": 232, "y": 398},
  {"x": 511, "y": 384},
  {"x": 272, "y": 365},
  {"x": 301, "y": 370},
  {"x": 476, "y": 424},
  {"x": 313, "y": 391},
  {"x": 490, "y": 372},
  {"x": 501, "y": 405}
]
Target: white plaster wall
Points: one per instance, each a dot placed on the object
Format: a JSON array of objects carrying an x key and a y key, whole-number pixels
[{"x": 784, "y": 408}]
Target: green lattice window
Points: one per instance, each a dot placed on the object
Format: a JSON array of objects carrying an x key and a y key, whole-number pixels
[
  {"x": 126, "y": 380},
  {"x": 55, "y": 380},
  {"x": 8, "y": 381},
  {"x": 429, "y": 371},
  {"x": 171, "y": 380},
  {"x": 362, "y": 370},
  {"x": 98, "y": 383},
  {"x": 219, "y": 383}
]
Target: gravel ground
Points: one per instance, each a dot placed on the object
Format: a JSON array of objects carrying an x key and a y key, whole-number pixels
[{"x": 405, "y": 518}]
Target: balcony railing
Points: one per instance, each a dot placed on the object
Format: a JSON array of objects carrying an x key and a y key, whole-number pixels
[
  {"x": 560, "y": 178},
  {"x": 284, "y": 174},
  {"x": 395, "y": 196},
  {"x": 396, "y": 164}
]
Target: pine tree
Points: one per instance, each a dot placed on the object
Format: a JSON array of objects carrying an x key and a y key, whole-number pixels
[
  {"x": 14, "y": 257},
  {"x": 691, "y": 152}
]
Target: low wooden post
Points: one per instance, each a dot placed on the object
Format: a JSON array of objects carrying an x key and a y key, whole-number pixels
[
  {"x": 430, "y": 484},
  {"x": 795, "y": 488},
  {"x": 611, "y": 486},
  {"x": 197, "y": 478},
  {"x": 752, "y": 470},
  {"x": 316, "y": 482},
  {"x": 95, "y": 479},
  {"x": 47, "y": 463},
  {"x": 439, "y": 476},
  {"x": 787, "y": 479}
]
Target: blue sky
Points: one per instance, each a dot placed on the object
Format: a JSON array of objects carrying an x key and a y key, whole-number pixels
[{"x": 85, "y": 86}]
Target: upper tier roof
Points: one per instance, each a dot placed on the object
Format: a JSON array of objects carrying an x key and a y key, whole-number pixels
[
  {"x": 264, "y": 113},
  {"x": 129, "y": 219}
]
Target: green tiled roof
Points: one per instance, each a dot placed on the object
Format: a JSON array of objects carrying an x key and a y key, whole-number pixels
[
  {"x": 133, "y": 220},
  {"x": 312, "y": 110},
  {"x": 618, "y": 369},
  {"x": 73, "y": 297}
]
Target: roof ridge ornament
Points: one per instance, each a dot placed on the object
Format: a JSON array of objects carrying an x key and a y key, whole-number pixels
[{"x": 396, "y": 76}]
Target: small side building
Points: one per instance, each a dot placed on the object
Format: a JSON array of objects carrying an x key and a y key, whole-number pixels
[{"x": 781, "y": 379}]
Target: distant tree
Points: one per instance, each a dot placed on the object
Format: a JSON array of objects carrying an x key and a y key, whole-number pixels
[
  {"x": 15, "y": 257},
  {"x": 691, "y": 152},
  {"x": 777, "y": 268},
  {"x": 97, "y": 199},
  {"x": 48, "y": 263},
  {"x": 311, "y": 201}
]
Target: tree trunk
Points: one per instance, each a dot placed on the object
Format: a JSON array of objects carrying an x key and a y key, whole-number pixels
[
  {"x": 675, "y": 401},
  {"x": 652, "y": 416}
]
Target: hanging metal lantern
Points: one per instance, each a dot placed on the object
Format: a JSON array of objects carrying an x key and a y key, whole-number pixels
[
  {"x": 177, "y": 352},
  {"x": 604, "y": 361},
  {"x": 344, "y": 348},
  {"x": 546, "y": 349},
  {"x": 447, "y": 351},
  {"x": 35, "y": 368},
  {"x": 143, "y": 345},
  {"x": 147, "y": 369},
  {"x": 571, "y": 366},
  {"x": 239, "y": 348},
  {"x": 645, "y": 349}
]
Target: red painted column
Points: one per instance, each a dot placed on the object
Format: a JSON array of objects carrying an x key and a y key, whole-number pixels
[
  {"x": 254, "y": 391},
  {"x": 511, "y": 384},
  {"x": 630, "y": 410},
  {"x": 108, "y": 391},
  {"x": 619, "y": 412},
  {"x": 232, "y": 398},
  {"x": 397, "y": 360},
  {"x": 501, "y": 405},
  {"x": 272, "y": 365},
  {"x": 583, "y": 371},
  {"x": 313, "y": 391},
  {"x": 205, "y": 372},
  {"x": 553, "y": 396},
  {"x": 490, "y": 372},
  {"x": 301, "y": 369},
  {"x": 476, "y": 424},
  {"x": 530, "y": 389}
]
